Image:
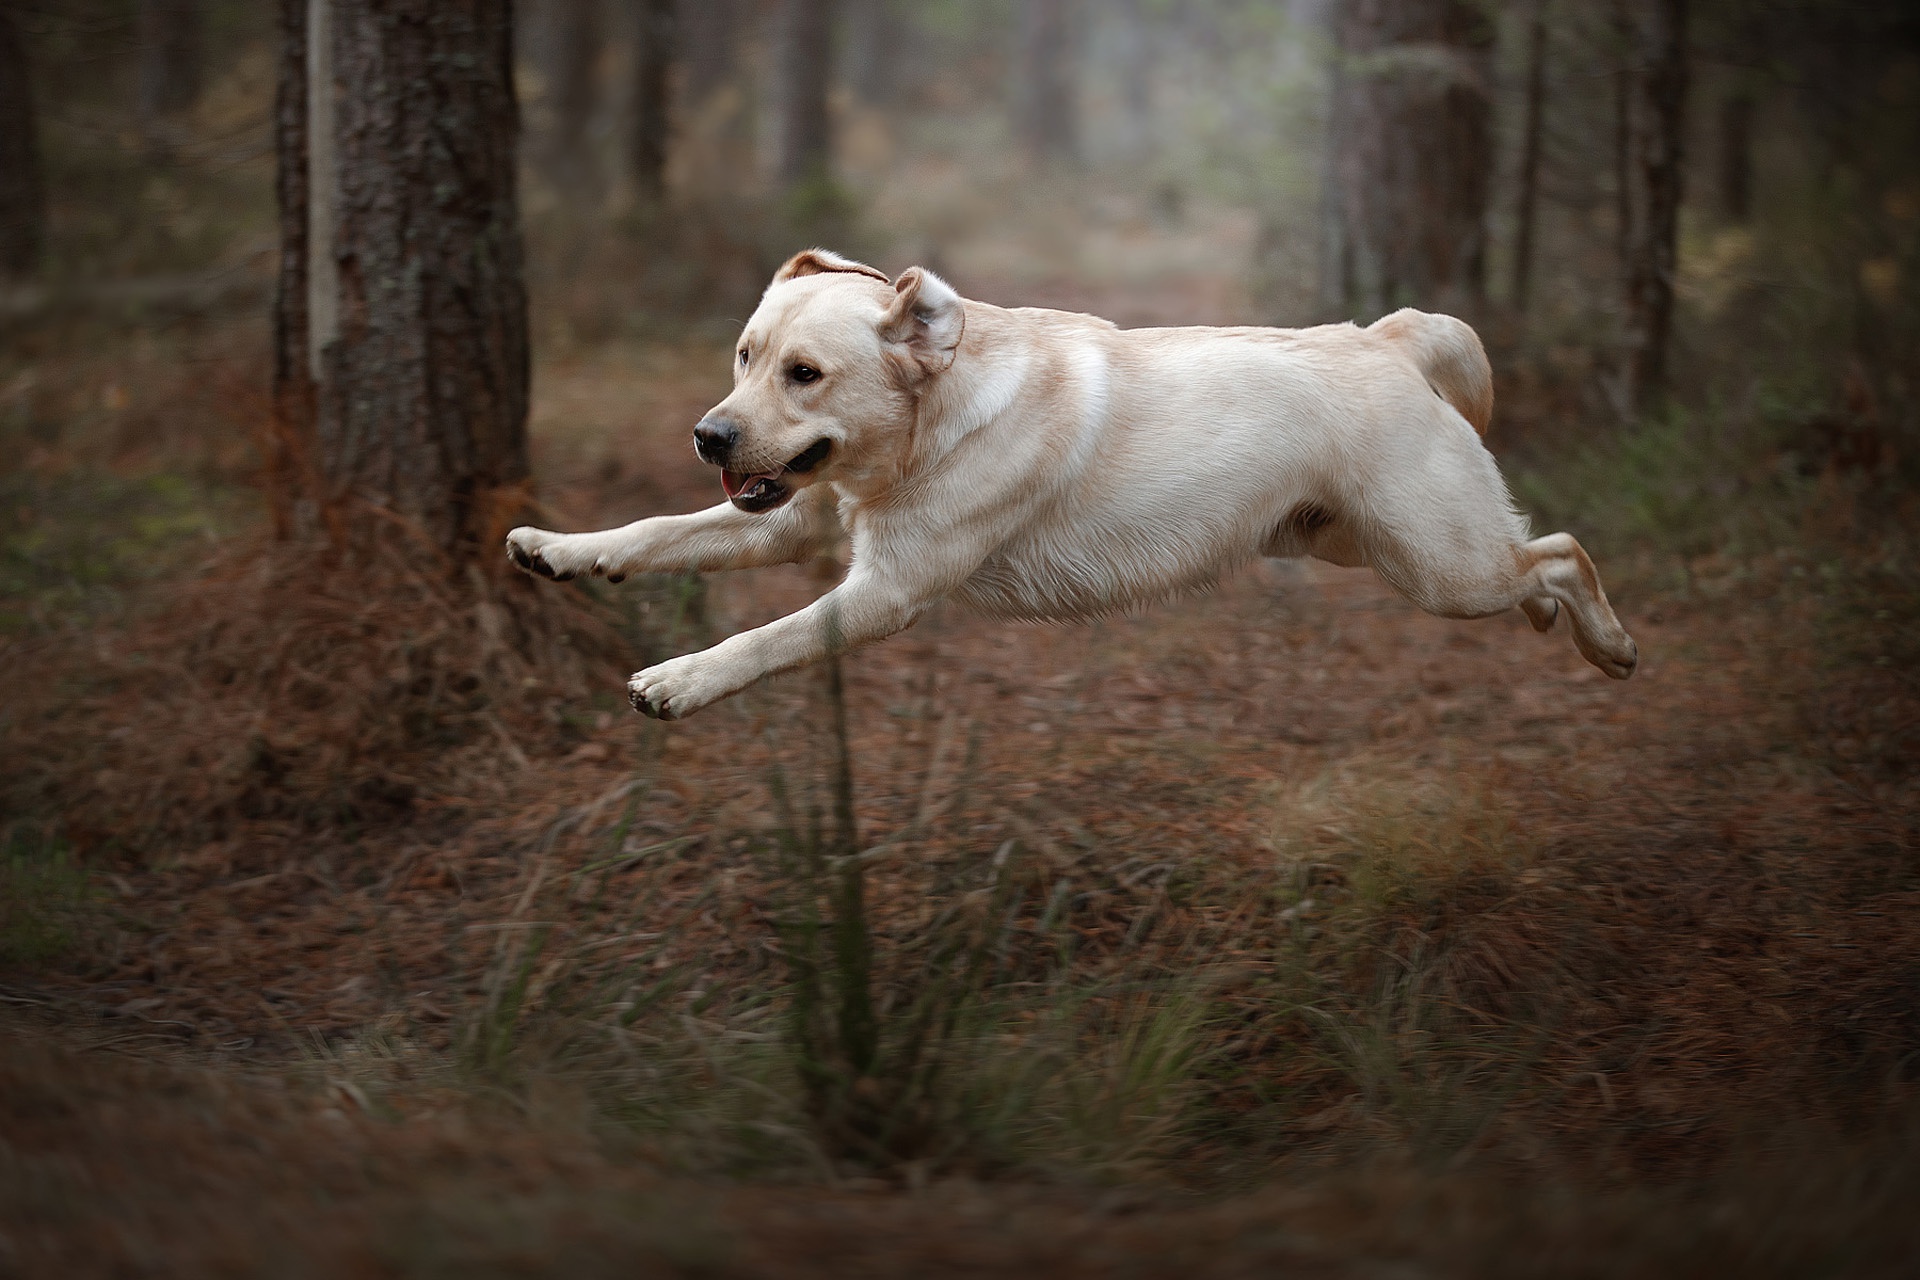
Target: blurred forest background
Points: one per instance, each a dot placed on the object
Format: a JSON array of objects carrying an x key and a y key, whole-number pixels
[{"x": 349, "y": 920}]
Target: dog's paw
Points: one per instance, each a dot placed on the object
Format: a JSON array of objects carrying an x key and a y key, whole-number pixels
[
  {"x": 1623, "y": 661},
  {"x": 1617, "y": 655},
  {"x": 676, "y": 688},
  {"x": 538, "y": 551},
  {"x": 559, "y": 556}
]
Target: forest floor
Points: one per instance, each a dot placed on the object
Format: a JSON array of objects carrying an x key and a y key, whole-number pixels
[{"x": 1321, "y": 936}]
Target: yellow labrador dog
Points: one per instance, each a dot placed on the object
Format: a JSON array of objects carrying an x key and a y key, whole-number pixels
[{"x": 1043, "y": 465}]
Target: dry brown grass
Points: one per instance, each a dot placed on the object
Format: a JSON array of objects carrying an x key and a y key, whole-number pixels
[{"x": 285, "y": 683}]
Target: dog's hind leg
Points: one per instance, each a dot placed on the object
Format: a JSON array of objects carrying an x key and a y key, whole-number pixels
[
  {"x": 1461, "y": 551},
  {"x": 1539, "y": 576}
]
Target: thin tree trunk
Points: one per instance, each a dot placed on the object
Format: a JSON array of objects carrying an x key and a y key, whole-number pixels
[
  {"x": 401, "y": 362},
  {"x": 1415, "y": 164},
  {"x": 716, "y": 104},
  {"x": 23, "y": 196},
  {"x": 1046, "y": 97},
  {"x": 1622, "y": 95},
  {"x": 1526, "y": 209},
  {"x": 804, "y": 49},
  {"x": 1139, "y": 44},
  {"x": 170, "y": 56},
  {"x": 873, "y": 50},
  {"x": 653, "y": 56},
  {"x": 1736, "y": 156},
  {"x": 291, "y": 494},
  {"x": 1336, "y": 258},
  {"x": 570, "y": 49},
  {"x": 709, "y": 33},
  {"x": 1654, "y": 104}
]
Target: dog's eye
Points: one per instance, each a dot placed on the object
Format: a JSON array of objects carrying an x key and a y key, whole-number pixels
[
  {"x": 803, "y": 374},
  {"x": 743, "y": 355}
]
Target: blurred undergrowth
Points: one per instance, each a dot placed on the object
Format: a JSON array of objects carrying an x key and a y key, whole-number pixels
[
  {"x": 75, "y": 543},
  {"x": 1695, "y": 482},
  {"x": 43, "y": 897}
]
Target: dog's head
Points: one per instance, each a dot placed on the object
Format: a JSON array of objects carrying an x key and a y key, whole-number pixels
[{"x": 826, "y": 376}]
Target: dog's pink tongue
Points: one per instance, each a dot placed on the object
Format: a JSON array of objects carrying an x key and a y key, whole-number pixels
[{"x": 733, "y": 482}]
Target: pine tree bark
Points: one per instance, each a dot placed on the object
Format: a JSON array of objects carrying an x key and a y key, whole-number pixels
[
  {"x": 1652, "y": 130},
  {"x": 1527, "y": 200},
  {"x": 401, "y": 360},
  {"x": 23, "y": 196},
  {"x": 1413, "y": 156},
  {"x": 1046, "y": 97},
  {"x": 170, "y": 56},
  {"x": 653, "y": 55},
  {"x": 804, "y": 49}
]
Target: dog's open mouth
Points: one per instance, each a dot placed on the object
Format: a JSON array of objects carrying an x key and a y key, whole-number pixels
[{"x": 765, "y": 490}]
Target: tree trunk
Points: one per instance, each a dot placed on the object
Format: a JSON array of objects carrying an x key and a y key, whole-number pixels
[
  {"x": 290, "y": 489},
  {"x": 1139, "y": 44},
  {"x": 1046, "y": 101},
  {"x": 1414, "y": 159},
  {"x": 1527, "y": 203},
  {"x": 23, "y": 197},
  {"x": 401, "y": 323},
  {"x": 1653, "y": 103},
  {"x": 653, "y": 54},
  {"x": 169, "y": 56},
  {"x": 1336, "y": 261},
  {"x": 569, "y": 48},
  {"x": 873, "y": 50},
  {"x": 709, "y": 32},
  {"x": 1736, "y": 156},
  {"x": 804, "y": 49}
]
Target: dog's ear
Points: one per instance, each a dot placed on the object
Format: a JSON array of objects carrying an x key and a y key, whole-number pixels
[
  {"x": 813, "y": 262},
  {"x": 927, "y": 318}
]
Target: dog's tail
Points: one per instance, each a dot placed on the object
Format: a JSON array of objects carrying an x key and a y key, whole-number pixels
[{"x": 1448, "y": 354}]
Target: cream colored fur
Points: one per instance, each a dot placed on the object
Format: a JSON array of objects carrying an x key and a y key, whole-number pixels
[{"x": 1039, "y": 464}]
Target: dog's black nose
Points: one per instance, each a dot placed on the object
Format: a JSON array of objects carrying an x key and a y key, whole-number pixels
[{"x": 714, "y": 438}]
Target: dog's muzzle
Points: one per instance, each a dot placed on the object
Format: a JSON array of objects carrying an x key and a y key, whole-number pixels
[{"x": 765, "y": 490}]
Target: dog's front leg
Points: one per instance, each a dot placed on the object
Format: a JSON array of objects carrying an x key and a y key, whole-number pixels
[
  {"x": 720, "y": 537},
  {"x": 864, "y": 608}
]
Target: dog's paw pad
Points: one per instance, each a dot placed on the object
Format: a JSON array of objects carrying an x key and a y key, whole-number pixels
[
  {"x": 649, "y": 702},
  {"x": 531, "y": 561}
]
